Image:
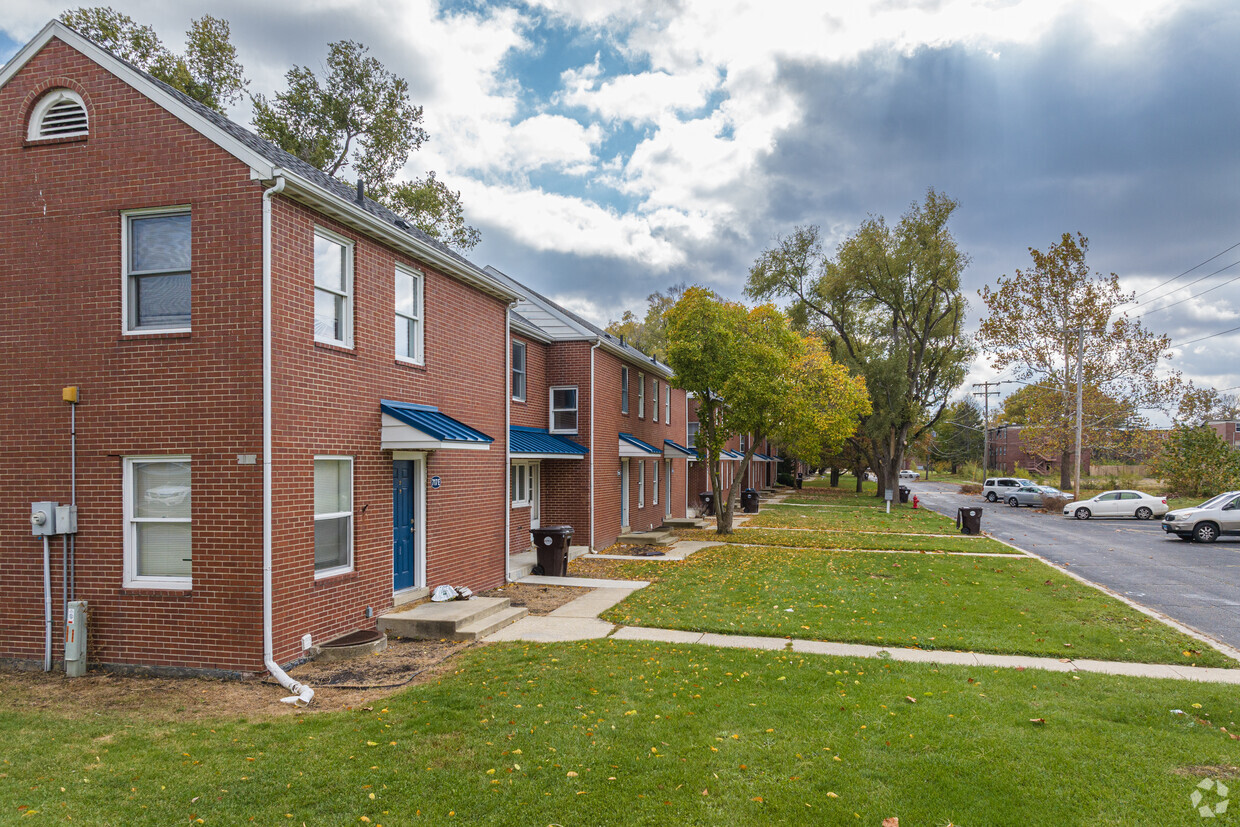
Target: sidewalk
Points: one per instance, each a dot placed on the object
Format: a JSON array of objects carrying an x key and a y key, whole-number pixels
[{"x": 579, "y": 620}]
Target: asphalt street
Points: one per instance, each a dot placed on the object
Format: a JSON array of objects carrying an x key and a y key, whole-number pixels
[{"x": 1197, "y": 584}]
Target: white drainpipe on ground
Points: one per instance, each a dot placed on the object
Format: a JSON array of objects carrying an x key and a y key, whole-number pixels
[{"x": 302, "y": 694}]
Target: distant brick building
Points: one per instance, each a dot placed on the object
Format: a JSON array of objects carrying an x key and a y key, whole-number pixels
[
  {"x": 1009, "y": 455},
  {"x": 1226, "y": 429}
]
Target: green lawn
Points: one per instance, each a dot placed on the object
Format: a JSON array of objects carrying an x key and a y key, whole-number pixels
[
  {"x": 1010, "y": 606},
  {"x": 614, "y": 733},
  {"x": 849, "y": 540},
  {"x": 840, "y": 518}
]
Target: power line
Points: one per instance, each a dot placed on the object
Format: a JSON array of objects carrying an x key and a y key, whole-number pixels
[
  {"x": 1195, "y": 295},
  {"x": 1203, "y": 338},
  {"x": 1185, "y": 273}
]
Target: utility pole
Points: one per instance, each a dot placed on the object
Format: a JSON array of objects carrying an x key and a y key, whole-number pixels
[
  {"x": 1080, "y": 357},
  {"x": 986, "y": 393}
]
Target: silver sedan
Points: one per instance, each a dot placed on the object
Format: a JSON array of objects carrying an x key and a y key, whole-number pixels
[{"x": 1030, "y": 495}]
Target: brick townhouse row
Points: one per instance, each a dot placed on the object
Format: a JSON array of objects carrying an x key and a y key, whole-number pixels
[{"x": 294, "y": 410}]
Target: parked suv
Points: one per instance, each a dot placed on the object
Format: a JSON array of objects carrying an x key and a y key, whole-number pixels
[
  {"x": 1000, "y": 488},
  {"x": 908, "y": 474},
  {"x": 1208, "y": 521}
]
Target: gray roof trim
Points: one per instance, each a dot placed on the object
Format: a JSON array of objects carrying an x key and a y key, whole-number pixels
[
  {"x": 527, "y": 329},
  {"x": 267, "y": 161}
]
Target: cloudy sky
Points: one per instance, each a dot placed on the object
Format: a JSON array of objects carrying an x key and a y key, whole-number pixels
[{"x": 610, "y": 148}]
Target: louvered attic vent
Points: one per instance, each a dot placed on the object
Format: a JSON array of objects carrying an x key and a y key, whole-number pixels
[{"x": 60, "y": 114}]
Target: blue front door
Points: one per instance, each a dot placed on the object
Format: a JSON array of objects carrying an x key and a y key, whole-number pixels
[{"x": 403, "y": 514}]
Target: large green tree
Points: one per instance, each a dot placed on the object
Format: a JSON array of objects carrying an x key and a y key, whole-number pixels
[
  {"x": 209, "y": 71},
  {"x": 889, "y": 308},
  {"x": 1045, "y": 322},
  {"x": 958, "y": 437},
  {"x": 751, "y": 373},
  {"x": 359, "y": 116}
]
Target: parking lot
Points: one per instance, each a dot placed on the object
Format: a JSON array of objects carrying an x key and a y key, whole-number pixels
[{"x": 1194, "y": 583}]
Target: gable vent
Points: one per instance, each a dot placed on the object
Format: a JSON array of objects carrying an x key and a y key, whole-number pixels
[{"x": 60, "y": 114}]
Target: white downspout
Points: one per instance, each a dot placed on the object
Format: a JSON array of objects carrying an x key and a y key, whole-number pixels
[
  {"x": 508, "y": 442},
  {"x": 593, "y": 427},
  {"x": 302, "y": 694}
]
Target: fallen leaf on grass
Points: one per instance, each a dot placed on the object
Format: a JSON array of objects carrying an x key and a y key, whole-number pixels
[
  {"x": 1037, "y": 721},
  {"x": 910, "y": 699},
  {"x": 891, "y": 822}
]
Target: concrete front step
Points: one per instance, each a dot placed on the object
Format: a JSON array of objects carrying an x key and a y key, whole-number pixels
[
  {"x": 647, "y": 538},
  {"x": 672, "y": 523},
  {"x": 454, "y": 620}
]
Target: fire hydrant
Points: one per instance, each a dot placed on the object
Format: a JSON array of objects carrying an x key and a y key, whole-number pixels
[{"x": 914, "y": 502}]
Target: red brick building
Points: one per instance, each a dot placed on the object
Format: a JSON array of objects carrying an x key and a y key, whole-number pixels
[
  {"x": 760, "y": 474},
  {"x": 598, "y": 429},
  {"x": 1010, "y": 455},
  {"x": 259, "y": 461}
]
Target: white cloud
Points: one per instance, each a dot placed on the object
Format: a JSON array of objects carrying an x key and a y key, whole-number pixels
[{"x": 638, "y": 98}]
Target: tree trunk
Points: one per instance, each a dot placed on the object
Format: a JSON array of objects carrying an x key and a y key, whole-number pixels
[
  {"x": 860, "y": 479},
  {"x": 1065, "y": 471},
  {"x": 835, "y": 477}
]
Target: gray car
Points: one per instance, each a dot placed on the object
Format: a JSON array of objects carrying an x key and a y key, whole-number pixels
[
  {"x": 1031, "y": 495},
  {"x": 1207, "y": 522}
]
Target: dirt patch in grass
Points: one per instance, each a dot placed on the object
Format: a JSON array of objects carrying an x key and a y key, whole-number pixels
[
  {"x": 404, "y": 663},
  {"x": 540, "y": 600},
  {"x": 1216, "y": 771}
]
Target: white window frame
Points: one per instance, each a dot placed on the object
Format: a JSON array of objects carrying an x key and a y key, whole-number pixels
[
  {"x": 130, "y": 577},
  {"x": 654, "y": 397},
  {"x": 641, "y": 483},
  {"x": 692, "y": 429},
  {"x": 126, "y": 221},
  {"x": 335, "y": 515},
  {"x": 519, "y": 482},
  {"x": 346, "y": 323},
  {"x": 667, "y": 403},
  {"x": 552, "y": 409},
  {"x": 419, "y": 279},
  {"x": 641, "y": 395},
  {"x": 654, "y": 482},
  {"x": 624, "y": 389},
  {"x": 524, "y": 371},
  {"x": 34, "y": 129}
]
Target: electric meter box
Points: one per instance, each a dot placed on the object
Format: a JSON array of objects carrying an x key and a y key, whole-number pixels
[
  {"x": 66, "y": 519},
  {"x": 75, "y": 638},
  {"x": 42, "y": 518}
]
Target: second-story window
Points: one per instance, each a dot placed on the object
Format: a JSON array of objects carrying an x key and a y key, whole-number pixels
[
  {"x": 333, "y": 289},
  {"x": 641, "y": 396},
  {"x": 157, "y": 270},
  {"x": 691, "y": 432},
  {"x": 564, "y": 410},
  {"x": 667, "y": 403},
  {"x": 408, "y": 315},
  {"x": 624, "y": 389},
  {"x": 654, "y": 390},
  {"x": 518, "y": 371}
]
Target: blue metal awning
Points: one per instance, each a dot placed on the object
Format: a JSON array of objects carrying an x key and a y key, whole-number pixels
[
  {"x": 410, "y": 427},
  {"x": 631, "y": 446},
  {"x": 673, "y": 451},
  {"x": 537, "y": 443}
]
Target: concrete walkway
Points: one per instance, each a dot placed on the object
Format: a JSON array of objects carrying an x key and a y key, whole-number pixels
[{"x": 579, "y": 620}]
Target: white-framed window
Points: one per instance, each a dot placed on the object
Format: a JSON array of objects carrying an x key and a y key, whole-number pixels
[
  {"x": 742, "y": 443},
  {"x": 333, "y": 288},
  {"x": 61, "y": 113},
  {"x": 519, "y": 480},
  {"x": 564, "y": 410},
  {"x": 518, "y": 371},
  {"x": 158, "y": 528},
  {"x": 654, "y": 482},
  {"x": 641, "y": 483},
  {"x": 641, "y": 395},
  {"x": 691, "y": 432},
  {"x": 408, "y": 313},
  {"x": 624, "y": 389},
  {"x": 156, "y": 252},
  {"x": 654, "y": 398},
  {"x": 333, "y": 515},
  {"x": 667, "y": 403}
]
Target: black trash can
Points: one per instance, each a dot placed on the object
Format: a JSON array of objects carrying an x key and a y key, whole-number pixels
[
  {"x": 800, "y": 480},
  {"x": 904, "y": 492},
  {"x": 969, "y": 520},
  {"x": 708, "y": 503},
  {"x": 749, "y": 501},
  {"x": 552, "y": 544}
]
